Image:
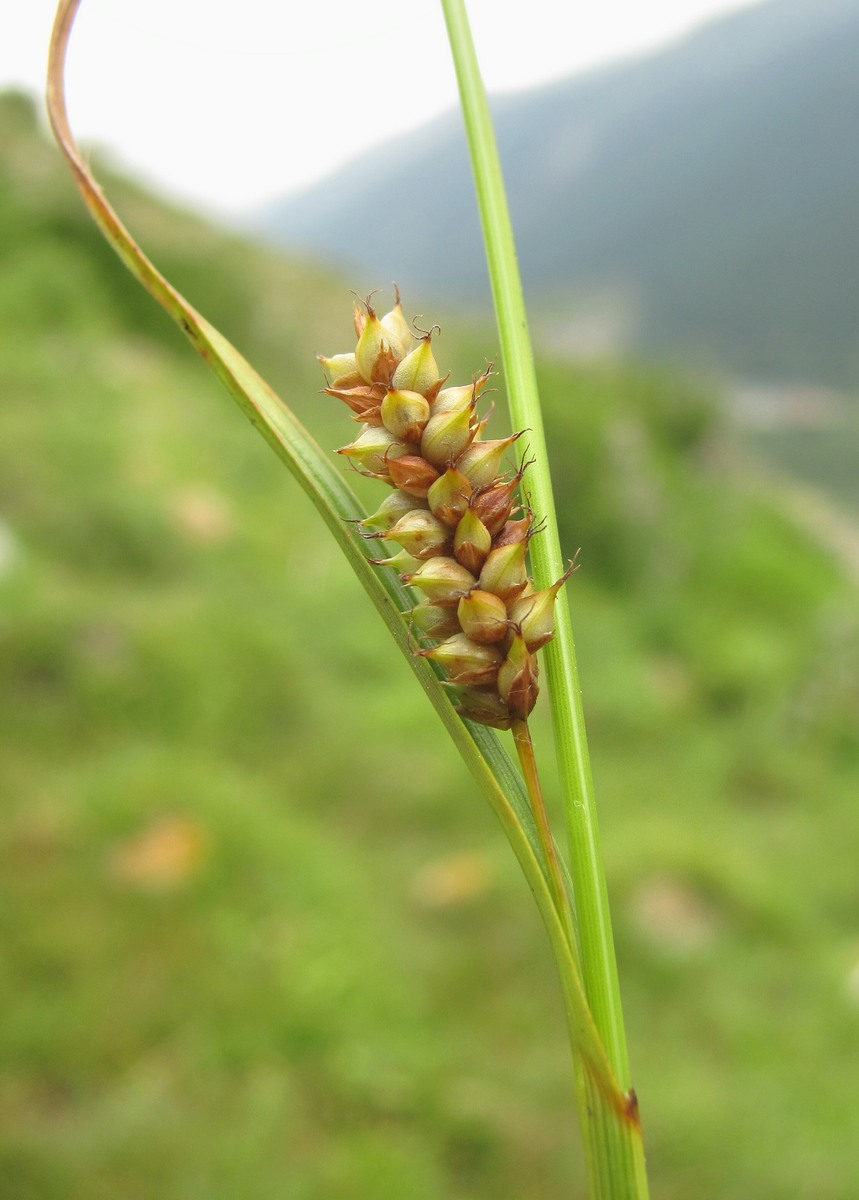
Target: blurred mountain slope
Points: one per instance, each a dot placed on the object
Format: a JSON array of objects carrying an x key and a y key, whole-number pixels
[{"x": 700, "y": 202}]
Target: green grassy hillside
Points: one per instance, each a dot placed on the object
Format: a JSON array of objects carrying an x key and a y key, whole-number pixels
[{"x": 260, "y": 937}]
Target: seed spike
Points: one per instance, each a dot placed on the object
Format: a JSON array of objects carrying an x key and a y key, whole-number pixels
[
  {"x": 447, "y": 435},
  {"x": 456, "y": 511}
]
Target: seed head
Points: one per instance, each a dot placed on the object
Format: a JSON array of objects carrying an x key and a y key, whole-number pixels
[
  {"x": 455, "y": 397},
  {"x": 397, "y": 325},
  {"x": 402, "y": 562},
  {"x": 485, "y": 706},
  {"x": 534, "y": 615},
  {"x": 455, "y": 513}
]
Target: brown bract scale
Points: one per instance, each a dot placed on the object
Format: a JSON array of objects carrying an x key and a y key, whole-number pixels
[
  {"x": 494, "y": 503},
  {"x": 455, "y": 512},
  {"x": 363, "y": 398},
  {"x": 517, "y": 680},
  {"x": 412, "y": 474},
  {"x": 512, "y": 532}
]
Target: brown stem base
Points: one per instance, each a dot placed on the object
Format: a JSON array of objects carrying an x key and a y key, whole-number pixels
[{"x": 528, "y": 762}]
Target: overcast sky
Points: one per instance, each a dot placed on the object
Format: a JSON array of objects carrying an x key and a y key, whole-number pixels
[{"x": 228, "y": 105}]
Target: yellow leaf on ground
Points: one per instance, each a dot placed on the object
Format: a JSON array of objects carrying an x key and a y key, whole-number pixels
[
  {"x": 164, "y": 855},
  {"x": 453, "y": 879}
]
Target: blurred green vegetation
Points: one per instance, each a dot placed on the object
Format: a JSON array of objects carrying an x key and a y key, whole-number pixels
[
  {"x": 260, "y": 937},
  {"x": 823, "y": 455}
]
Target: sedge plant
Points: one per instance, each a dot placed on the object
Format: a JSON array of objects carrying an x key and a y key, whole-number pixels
[{"x": 476, "y": 590}]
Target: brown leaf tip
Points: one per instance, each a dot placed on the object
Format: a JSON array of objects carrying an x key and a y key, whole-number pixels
[{"x": 631, "y": 1109}]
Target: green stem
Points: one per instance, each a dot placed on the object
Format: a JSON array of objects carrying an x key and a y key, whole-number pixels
[{"x": 616, "y": 1155}]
